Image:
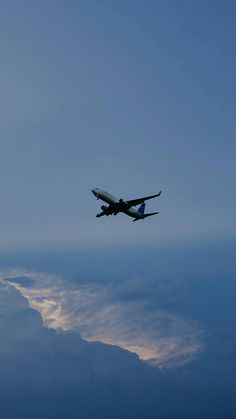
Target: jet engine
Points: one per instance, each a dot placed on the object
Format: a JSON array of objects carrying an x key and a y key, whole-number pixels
[{"x": 104, "y": 208}]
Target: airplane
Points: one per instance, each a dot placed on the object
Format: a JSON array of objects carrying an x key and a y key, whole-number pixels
[{"x": 119, "y": 205}]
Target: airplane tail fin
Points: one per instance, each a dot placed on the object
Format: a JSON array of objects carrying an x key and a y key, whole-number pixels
[
  {"x": 142, "y": 208},
  {"x": 141, "y": 211}
]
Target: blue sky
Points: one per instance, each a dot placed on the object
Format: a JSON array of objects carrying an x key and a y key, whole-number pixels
[{"x": 131, "y": 97}]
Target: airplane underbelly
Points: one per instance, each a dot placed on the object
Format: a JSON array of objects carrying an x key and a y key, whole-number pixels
[{"x": 132, "y": 213}]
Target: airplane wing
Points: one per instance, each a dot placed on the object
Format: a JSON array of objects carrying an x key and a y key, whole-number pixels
[
  {"x": 110, "y": 210},
  {"x": 134, "y": 202},
  {"x": 101, "y": 214}
]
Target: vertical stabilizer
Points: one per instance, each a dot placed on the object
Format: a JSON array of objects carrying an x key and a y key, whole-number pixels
[{"x": 142, "y": 208}]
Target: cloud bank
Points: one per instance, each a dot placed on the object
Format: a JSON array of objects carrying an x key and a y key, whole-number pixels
[
  {"x": 48, "y": 373},
  {"x": 127, "y": 314},
  {"x": 54, "y": 373}
]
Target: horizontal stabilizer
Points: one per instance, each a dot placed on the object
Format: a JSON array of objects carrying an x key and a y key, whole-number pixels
[
  {"x": 150, "y": 213},
  {"x": 145, "y": 216}
]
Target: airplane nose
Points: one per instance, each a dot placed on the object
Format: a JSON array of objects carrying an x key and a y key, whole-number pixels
[{"x": 94, "y": 192}]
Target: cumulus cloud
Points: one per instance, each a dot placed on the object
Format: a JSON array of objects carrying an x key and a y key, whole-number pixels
[
  {"x": 131, "y": 314},
  {"x": 25, "y": 341},
  {"x": 54, "y": 373}
]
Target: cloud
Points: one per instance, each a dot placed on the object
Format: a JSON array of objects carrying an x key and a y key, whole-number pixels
[
  {"x": 46, "y": 372},
  {"x": 133, "y": 314},
  {"x": 25, "y": 341},
  {"x": 54, "y": 373}
]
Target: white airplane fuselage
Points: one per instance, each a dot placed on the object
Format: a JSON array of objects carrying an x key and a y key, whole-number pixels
[{"x": 115, "y": 202}]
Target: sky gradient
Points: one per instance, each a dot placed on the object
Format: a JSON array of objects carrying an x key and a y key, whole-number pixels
[
  {"x": 131, "y": 98},
  {"x": 106, "y": 318}
]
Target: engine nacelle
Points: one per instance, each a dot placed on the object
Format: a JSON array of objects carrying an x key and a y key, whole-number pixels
[{"x": 104, "y": 207}]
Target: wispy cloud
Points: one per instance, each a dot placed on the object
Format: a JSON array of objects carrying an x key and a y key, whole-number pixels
[{"x": 122, "y": 314}]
